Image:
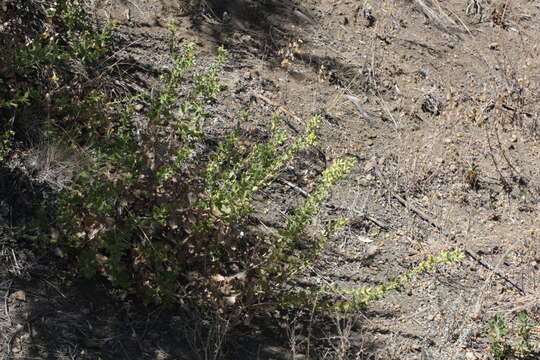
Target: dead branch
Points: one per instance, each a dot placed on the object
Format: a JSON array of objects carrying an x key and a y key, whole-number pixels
[
  {"x": 433, "y": 223},
  {"x": 305, "y": 194},
  {"x": 295, "y": 187},
  {"x": 281, "y": 109},
  {"x": 408, "y": 205},
  {"x": 6, "y": 306}
]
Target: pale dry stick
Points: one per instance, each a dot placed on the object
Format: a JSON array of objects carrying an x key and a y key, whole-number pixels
[
  {"x": 357, "y": 103},
  {"x": 461, "y": 21},
  {"x": 283, "y": 110},
  {"x": 305, "y": 194},
  {"x": 334, "y": 101},
  {"x": 344, "y": 329},
  {"x": 303, "y": 16},
  {"x": 526, "y": 303},
  {"x": 16, "y": 262},
  {"x": 295, "y": 187},
  {"x": 385, "y": 108},
  {"x": 6, "y": 306},
  {"x": 478, "y": 307},
  {"x": 55, "y": 288},
  {"x": 505, "y": 156},
  {"x": 505, "y": 9},
  {"x": 406, "y": 204},
  {"x": 457, "y": 17},
  {"x": 502, "y": 179},
  {"x": 376, "y": 221},
  {"x": 292, "y": 336},
  {"x": 137, "y": 6},
  {"x": 362, "y": 213},
  {"x": 433, "y": 223},
  {"x": 438, "y": 18}
]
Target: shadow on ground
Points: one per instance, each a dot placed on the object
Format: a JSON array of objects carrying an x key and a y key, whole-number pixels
[
  {"x": 49, "y": 312},
  {"x": 263, "y": 26}
]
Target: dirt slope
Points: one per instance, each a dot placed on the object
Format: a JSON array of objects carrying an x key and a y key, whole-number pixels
[{"x": 439, "y": 102}]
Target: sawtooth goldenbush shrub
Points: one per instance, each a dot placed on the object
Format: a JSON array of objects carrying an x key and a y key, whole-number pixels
[
  {"x": 152, "y": 207},
  {"x": 49, "y": 51},
  {"x": 150, "y": 214}
]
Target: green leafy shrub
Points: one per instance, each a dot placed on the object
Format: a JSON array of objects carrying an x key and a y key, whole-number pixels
[
  {"x": 154, "y": 210},
  {"x": 50, "y": 49},
  {"x": 507, "y": 343},
  {"x": 151, "y": 215},
  {"x": 159, "y": 213}
]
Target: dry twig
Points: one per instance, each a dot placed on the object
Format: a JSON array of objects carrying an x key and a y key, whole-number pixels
[
  {"x": 433, "y": 223},
  {"x": 6, "y": 306},
  {"x": 281, "y": 109}
]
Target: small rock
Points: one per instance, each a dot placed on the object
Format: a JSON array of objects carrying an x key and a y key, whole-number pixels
[
  {"x": 138, "y": 107},
  {"x": 19, "y": 295},
  {"x": 433, "y": 103},
  {"x": 372, "y": 250},
  {"x": 59, "y": 252},
  {"x": 370, "y": 165},
  {"x": 276, "y": 352},
  {"x": 363, "y": 182},
  {"x": 365, "y": 239}
]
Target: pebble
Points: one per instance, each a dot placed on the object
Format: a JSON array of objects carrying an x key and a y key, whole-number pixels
[
  {"x": 19, "y": 295},
  {"x": 370, "y": 164},
  {"x": 365, "y": 239},
  {"x": 372, "y": 250}
]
